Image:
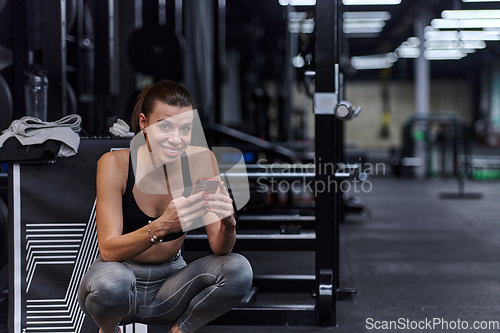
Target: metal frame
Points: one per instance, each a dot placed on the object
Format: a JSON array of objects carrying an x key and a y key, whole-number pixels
[
  {"x": 54, "y": 56},
  {"x": 328, "y": 148}
]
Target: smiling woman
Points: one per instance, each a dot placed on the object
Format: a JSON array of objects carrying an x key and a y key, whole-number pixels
[{"x": 144, "y": 208}]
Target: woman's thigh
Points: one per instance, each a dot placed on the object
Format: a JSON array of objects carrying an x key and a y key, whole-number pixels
[{"x": 194, "y": 282}]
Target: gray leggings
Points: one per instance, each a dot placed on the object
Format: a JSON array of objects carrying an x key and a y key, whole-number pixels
[{"x": 119, "y": 293}]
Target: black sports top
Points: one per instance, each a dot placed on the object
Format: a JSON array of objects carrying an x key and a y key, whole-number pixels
[{"x": 133, "y": 217}]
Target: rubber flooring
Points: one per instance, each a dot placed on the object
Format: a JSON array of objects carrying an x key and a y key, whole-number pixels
[{"x": 416, "y": 259}]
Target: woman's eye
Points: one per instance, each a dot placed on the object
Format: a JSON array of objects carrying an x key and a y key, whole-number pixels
[
  {"x": 186, "y": 129},
  {"x": 164, "y": 127}
]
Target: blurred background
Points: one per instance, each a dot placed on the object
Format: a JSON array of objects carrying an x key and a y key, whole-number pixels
[{"x": 426, "y": 74}]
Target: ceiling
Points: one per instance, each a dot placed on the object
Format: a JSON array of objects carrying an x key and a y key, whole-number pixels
[{"x": 261, "y": 23}]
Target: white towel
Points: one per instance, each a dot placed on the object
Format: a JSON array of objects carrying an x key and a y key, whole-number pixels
[
  {"x": 31, "y": 131},
  {"x": 121, "y": 129}
]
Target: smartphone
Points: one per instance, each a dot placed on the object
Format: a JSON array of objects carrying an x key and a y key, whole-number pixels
[{"x": 209, "y": 185}]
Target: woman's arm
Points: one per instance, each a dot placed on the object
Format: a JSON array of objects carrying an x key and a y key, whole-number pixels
[{"x": 111, "y": 180}]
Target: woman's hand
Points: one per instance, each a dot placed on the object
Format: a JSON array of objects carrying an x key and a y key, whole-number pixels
[
  {"x": 222, "y": 205},
  {"x": 180, "y": 214}
]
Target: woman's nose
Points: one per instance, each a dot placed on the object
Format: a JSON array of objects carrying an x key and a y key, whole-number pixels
[{"x": 174, "y": 138}]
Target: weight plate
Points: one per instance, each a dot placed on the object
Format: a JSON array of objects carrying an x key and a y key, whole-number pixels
[{"x": 155, "y": 51}]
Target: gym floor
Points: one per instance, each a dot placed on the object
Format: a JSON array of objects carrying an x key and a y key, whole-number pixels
[{"x": 415, "y": 257}]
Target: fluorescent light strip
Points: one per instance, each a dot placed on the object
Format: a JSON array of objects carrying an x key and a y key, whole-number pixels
[
  {"x": 363, "y": 21},
  {"x": 444, "y": 54},
  {"x": 456, "y": 24},
  {"x": 480, "y": 0},
  {"x": 470, "y": 14},
  {"x": 454, "y": 44},
  {"x": 374, "y": 61},
  {"x": 441, "y": 35},
  {"x": 364, "y": 25},
  {"x": 408, "y": 52},
  {"x": 362, "y": 30},
  {"x": 366, "y": 16},
  {"x": 479, "y": 35},
  {"x": 297, "y": 2},
  {"x": 463, "y": 35},
  {"x": 371, "y": 2}
]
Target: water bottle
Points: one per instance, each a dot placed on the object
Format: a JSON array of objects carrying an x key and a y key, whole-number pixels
[{"x": 35, "y": 94}]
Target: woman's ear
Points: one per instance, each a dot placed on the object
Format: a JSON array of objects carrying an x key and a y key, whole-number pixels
[{"x": 143, "y": 121}]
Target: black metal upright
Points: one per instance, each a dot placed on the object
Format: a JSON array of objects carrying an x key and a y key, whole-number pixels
[
  {"x": 106, "y": 78},
  {"x": 328, "y": 149},
  {"x": 20, "y": 54},
  {"x": 54, "y": 56}
]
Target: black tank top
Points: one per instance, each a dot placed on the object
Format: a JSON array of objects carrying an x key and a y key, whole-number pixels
[{"x": 133, "y": 217}]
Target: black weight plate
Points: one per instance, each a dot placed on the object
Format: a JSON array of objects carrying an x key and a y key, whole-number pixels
[{"x": 155, "y": 51}]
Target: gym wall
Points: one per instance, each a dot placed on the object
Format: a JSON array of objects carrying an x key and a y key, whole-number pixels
[{"x": 446, "y": 96}]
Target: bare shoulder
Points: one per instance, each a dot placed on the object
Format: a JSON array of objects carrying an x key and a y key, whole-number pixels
[
  {"x": 112, "y": 168},
  {"x": 117, "y": 158}
]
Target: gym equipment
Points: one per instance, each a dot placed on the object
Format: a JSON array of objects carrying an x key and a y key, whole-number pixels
[
  {"x": 446, "y": 137},
  {"x": 344, "y": 110},
  {"x": 156, "y": 48},
  {"x": 462, "y": 165}
]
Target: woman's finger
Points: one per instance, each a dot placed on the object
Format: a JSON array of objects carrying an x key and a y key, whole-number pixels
[
  {"x": 221, "y": 213},
  {"x": 189, "y": 218},
  {"x": 219, "y": 204},
  {"x": 218, "y": 196},
  {"x": 183, "y": 202}
]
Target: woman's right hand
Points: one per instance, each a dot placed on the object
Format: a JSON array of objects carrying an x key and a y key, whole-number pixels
[{"x": 180, "y": 214}]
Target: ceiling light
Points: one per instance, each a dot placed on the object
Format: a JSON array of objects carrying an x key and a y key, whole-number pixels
[
  {"x": 371, "y": 2},
  {"x": 479, "y": 35},
  {"x": 407, "y": 52},
  {"x": 444, "y": 54},
  {"x": 379, "y": 61},
  {"x": 364, "y": 24},
  {"x": 441, "y": 35},
  {"x": 454, "y": 44},
  {"x": 457, "y": 24},
  {"x": 367, "y": 16},
  {"x": 372, "y": 30},
  {"x": 440, "y": 44},
  {"x": 297, "y": 2},
  {"x": 473, "y": 44},
  {"x": 470, "y": 14}
]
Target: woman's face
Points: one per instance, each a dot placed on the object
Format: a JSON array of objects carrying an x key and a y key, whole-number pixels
[{"x": 168, "y": 131}]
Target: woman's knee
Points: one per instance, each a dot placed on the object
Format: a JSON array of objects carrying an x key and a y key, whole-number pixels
[
  {"x": 107, "y": 285},
  {"x": 237, "y": 270}
]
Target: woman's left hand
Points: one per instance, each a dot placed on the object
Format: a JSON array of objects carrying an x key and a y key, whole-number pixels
[{"x": 222, "y": 205}]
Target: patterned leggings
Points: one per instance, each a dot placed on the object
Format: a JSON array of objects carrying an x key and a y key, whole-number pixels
[{"x": 119, "y": 293}]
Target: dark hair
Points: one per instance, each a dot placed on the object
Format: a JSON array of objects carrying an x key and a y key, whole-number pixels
[{"x": 168, "y": 92}]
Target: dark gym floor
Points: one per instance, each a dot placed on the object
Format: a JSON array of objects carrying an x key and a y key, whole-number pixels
[{"x": 414, "y": 257}]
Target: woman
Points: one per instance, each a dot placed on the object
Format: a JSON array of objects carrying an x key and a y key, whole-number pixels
[{"x": 140, "y": 275}]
